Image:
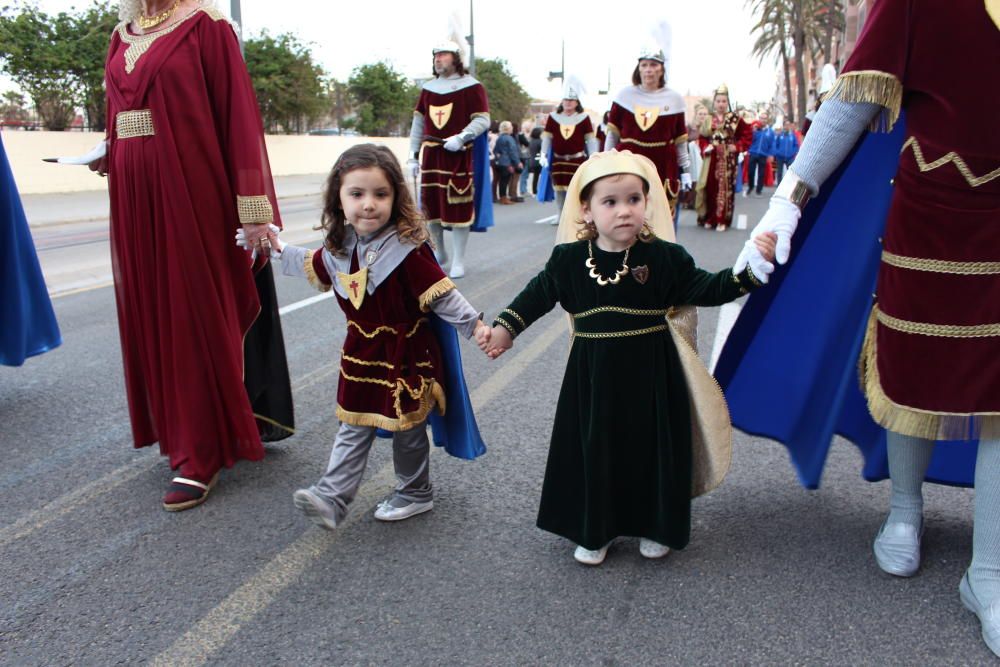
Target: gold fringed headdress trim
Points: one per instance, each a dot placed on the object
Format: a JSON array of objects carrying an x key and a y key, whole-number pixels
[{"x": 873, "y": 87}]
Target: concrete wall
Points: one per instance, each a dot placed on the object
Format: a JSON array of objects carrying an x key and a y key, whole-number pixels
[{"x": 289, "y": 155}]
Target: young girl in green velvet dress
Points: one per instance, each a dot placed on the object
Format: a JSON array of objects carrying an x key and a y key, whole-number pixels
[{"x": 620, "y": 460}]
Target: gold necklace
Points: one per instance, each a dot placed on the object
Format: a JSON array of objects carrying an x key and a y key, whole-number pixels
[
  {"x": 591, "y": 264},
  {"x": 147, "y": 22}
]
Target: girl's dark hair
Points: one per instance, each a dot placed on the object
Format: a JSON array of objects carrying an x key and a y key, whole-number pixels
[
  {"x": 459, "y": 65},
  {"x": 408, "y": 219},
  {"x": 637, "y": 80},
  {"x": 588, "y": 230},
  {"x": 579, "y": 107},
  {"x": 536, "y": 133}
]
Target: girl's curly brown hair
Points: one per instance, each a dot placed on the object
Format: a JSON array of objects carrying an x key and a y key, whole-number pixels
[
  {"x": 408, "y": 219},
  {"x": 588, "y": 230}
]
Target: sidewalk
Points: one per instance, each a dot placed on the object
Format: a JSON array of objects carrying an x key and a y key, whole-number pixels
[{"x": 55, "y": 209}]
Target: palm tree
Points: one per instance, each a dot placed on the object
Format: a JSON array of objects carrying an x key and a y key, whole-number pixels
[{"x": 771, "y": 36}]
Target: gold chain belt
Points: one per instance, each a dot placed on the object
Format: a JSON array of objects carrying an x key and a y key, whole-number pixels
[
  {"x": 138, "y": 123},
  {"x": 557, "y": 156},
  {"x": 622, "y": 334}
]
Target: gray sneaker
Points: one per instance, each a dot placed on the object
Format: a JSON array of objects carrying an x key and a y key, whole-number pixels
[
  {"x": 317, "y": 509},
  {"x": 397, "y": 509}
]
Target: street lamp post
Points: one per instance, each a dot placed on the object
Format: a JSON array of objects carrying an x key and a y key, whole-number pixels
[{"x": 561, "y": 74}]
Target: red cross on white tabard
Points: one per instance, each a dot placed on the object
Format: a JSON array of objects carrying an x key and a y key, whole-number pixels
[
  {"x": 439, "y": 114},
  {"x": 354, "y": 288}
]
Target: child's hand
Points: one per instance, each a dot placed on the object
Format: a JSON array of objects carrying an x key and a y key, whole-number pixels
[
  {"x": 766, "y": 243},
  {"x": 500, "y": 342},
  {"x": 483, "y": 334}
]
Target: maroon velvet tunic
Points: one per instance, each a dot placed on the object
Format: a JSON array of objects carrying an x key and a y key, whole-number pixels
[
  {"x": 391, "y": 373},
  {"x": 728, "y": 136},
  {"x": 932, "y": 363},
  {"x": 569, "y": 148},
  {"x": 186, "y": 142},
  {"x": 655, "y": 133},
  {"x": 446, "y": 177}
]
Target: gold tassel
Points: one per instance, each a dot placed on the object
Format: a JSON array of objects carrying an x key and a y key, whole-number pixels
[
  {"x": 873, "y": 87},
  {"x": 913, "y": 421},
  {"x": 311, "y": 273},
  {"x": 435, "y": 291}
]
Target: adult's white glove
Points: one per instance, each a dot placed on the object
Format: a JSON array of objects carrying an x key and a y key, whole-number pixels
[
  {"x": 414, "y": 166},
  {"x": 685, "y": 181},
  {"x": 708, "y": 149},
  {"x": 751, "y": 257},
  {"x": 454, "y": 143},
  {"x": 276, "y": 248},
  {"x": 543, "y": 160},
  {"x": 782, "y": 217}
]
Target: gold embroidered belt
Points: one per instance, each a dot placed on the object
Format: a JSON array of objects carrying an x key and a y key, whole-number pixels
[
  {"x": 606, "y": 321},
  {"x": 138, "y": 123}
]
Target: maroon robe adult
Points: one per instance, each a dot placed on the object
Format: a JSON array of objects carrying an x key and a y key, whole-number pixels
[
  {"x": 717, "y": 180},
  {"x": 569, "y": 135},
  {"x": 931, "y": 363},
  {"x": 187, "y": 165}
]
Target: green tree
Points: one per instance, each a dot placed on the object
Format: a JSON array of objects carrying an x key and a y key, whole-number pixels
[
  {"x": 289, "y": 85},
  {"x": 12, "y": 107},
  {"x": 384, "y": 100},
  {"x": 340, "y": 103},
  {"x": 89, "y": 47},
  {"x": 508, "y": 100}
]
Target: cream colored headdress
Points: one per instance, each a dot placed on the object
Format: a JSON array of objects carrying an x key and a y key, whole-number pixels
[{"x": 608, "y": 163}]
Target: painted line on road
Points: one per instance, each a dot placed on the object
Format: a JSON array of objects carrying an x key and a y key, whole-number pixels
[
  {"x": 198, "y": 645},
  {"x": 728, "y": 314},
  {"x": 292, "y": 307},
  {"x": 542, "y": 221}
]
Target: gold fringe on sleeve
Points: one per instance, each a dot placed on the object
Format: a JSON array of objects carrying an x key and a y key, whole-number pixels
[
  {"x": 311, "y": 273},
  {"x": 874, "y": 87},
  {"x": 438, "y": 289}
]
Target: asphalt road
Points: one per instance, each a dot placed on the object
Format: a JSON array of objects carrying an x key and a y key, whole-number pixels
[{"x": 94, "y": 572}]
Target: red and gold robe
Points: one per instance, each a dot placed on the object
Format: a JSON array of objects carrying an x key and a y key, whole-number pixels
[
  {"x": 569, "y": 135},
  {"x": 652, "y": 124},
  {"x": 728, "y": 136},
  {"x": 446, "y": 177},
  {"x": 930, "y": 361},
  {"x": 187, "y": 165}
]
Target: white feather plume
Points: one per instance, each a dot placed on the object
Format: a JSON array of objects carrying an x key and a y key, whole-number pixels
[
  {"x": 663, "y": 35},
  {"x": 456, "y": 33}
]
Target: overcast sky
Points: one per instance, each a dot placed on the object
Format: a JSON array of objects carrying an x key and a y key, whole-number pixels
[{"x": 711, "y": 41}]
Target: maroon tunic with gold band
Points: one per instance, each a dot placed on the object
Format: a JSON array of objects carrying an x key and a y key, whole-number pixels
[
  {"x": 569, "y": 136},
  {"x": 932, "y": 354},
  {"x": 446, "y": 176},
  {"x": 652, "y": 124},
  {"x": 391, "y": 374}
]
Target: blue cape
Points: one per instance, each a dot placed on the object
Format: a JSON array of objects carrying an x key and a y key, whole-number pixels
[
  {"x": 789, "y": 367},
  {"x": 29, "y": 323},
  {"x": 456, "y": 430},
  {"x": 482, "y": 185},
  {"x": 545, "y": 190}
]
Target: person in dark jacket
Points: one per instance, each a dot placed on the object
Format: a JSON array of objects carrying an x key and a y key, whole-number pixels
[{"x": 508, "y": 159}]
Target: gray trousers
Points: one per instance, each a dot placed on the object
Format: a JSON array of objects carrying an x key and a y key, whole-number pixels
[{"x": 410, "y": 454}]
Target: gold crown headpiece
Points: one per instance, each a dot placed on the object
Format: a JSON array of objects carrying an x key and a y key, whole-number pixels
[{"x": 722, "y": 90}]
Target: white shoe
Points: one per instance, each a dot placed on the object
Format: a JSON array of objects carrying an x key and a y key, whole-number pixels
[
  {"x": 457, "y": 270},
  {"x": 318, "y": 510},
  {"x": 897, "y": 548},
  {"x": 744, "y": 194},
  {"x": 387, "y": 511},
  {"x": 651, "y": 549},
  {"x": 588, "y": 557},
  {"x": 989, "y": 615}
]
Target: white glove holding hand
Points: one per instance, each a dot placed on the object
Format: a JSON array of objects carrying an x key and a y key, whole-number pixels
[
  {"x": 543, "y": 160},
  {"x": 414, "y": 166},
  {"x": 782, "y": 217},
  {"x": 751, "y": 256},
  {"x": 276, "y": 245},
  {"x": 685, "y": 181},
  {"x": 454, "y": 143}
]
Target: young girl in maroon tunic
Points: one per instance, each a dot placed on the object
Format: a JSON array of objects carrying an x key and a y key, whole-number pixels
[{"x": 377, "y": 259}]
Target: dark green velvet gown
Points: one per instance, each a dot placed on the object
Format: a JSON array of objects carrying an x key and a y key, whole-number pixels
[{"x": 620, "y": 459}]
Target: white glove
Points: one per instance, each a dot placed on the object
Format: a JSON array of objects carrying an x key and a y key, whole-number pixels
[
  {"x": 241, "y": 241},
  {"x": 739, "y": 159},
  {"x": 685, "y": 181},
  {"x": 752, "y": 257},
  {"x": 782, "y": 218},
  {"x": 414, "y": 166},
  {"x": 543, "y": 160},
  {"x": 454, "y": 143},
  {"x": 708, "y": 149}
]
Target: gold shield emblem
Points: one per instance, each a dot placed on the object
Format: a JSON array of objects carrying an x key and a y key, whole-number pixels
[
  {"x": 646, "y": 116},
  {"x": 354, "y": 284},
  {"x": 993, "y": 9},
  {"x": 566, "y": 130},
  {"x": 440, "y": 115}
]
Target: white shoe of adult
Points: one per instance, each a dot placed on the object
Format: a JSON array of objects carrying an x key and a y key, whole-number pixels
[
  {"x": 989, "y": 614},
  {"x": 651, "y": 549},
  {"x": 397, "y": 509},
  {"x": 457, "y": 269},
  {"x": 589, "y": 557},
  {"x": 897, "y": 548},
  {"x": 316, "y": 509}
]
